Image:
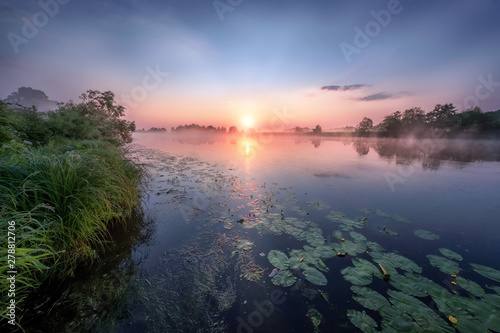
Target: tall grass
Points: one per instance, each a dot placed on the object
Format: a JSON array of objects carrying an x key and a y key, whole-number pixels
[{"x": 62, "y": 194}]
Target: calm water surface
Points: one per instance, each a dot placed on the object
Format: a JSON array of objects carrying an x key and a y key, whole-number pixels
[{"x": 219, "y": 208}]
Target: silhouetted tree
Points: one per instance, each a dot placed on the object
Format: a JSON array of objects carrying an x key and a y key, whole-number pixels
[
  {"x": 364, "y": 127},
  {"x": 317, "y": 130},
  {"x": 391, "y": 125},
  {"x": 28, "y": 97},
  {"x": 443, "y": 116},
  {"x": 413, "y": 118},
  {"x": 233, "y": 130}
]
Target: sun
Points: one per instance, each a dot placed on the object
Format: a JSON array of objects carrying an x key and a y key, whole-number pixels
[{"x": 247, "y": 122}]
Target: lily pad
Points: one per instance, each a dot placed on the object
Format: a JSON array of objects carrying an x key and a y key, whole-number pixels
[
  {"x": 445, "y": 265},
  {"x": 324, "y": 251},
  {"x": 315, "y": 239},
  {"x": 450, "y": 254},
  {"x": 357, "y": 276},
  {"x": 425, "y": 234},
  {"x": 374, "y": 246},
  {"x": 362, "y": 321},
  {"x": 357, "y": 236},
  {"x": 486, "y": 271},
  {"x": 471, "y": 286},
  {"x": 369, "y": 298},
  {"x": 297, "y": 260},
  {"x": 395, "y": 260},
  {"x": 338, "y": 234},
  {"x": 315, "y": 318},
  {"x": 397, "y": 321},
  {"x": 278, "y": 259},
  {"x": 406, "y": 303},
  {"x": 485, "y": 313},
  {"x": 352, "y": 248},
  {"x": 315, "y": 276},
  {"x": 284, "y": 278},
  {"x": 412, "y": 284}
]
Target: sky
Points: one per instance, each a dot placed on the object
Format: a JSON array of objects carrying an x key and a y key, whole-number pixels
[{"x": 261, "y": 64}]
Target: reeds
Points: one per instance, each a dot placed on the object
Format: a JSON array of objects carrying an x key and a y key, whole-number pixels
[{"x": 63, "y": 195}]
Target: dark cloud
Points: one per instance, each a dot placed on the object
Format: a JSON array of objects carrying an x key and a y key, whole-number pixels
[
  {"x": 344, "y": 88},
  {"x": 377, "y": 97}
]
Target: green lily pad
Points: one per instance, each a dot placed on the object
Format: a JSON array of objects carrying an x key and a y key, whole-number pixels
[
  {"x": 486, "y": 271},
  {"x": 357, "y": 276},
  {"x": 445, "y": 265},
  {"x": 450, "y": 254},
  {"x": 362, "y": 321},
  {"x": 374, "y": 246},
  {"x": 315, "y": 318},
  {"x": 284, "y": 278},
  {"x": 406, "y": 303},
  {"x": 315, "y": 276},
  {"x": 390, "y": 259},
  {"x": 397, "y": 321},
  {"x": 471, "y": 286},
  {"x": 297, "y": 260},
  {"x": 315, "y": 239},
  {"x": 278, "y": 259},
  {"x": 324, "y": 251},
  {"x": 424, "y": 234},
  {"x": 338, "y": 234},
  {"x": 486, "y": 313},
  {"x": 412, "y": 284},
  {"x": 352, "y": 248},
  {"x": 357, "y": 236},
  {"x": 369, "y": 298}
]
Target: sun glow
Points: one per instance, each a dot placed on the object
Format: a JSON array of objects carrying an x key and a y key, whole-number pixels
[{"x": 247, "y": 122}]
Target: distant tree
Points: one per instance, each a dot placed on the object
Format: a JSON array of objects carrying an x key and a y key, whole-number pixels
[
  {"x": 391, "y": 125},
  {"x": 364, "y": 127},
  {"x": 443, "y": 116},
  {"x": 412, "y": 119},
  {"x": 317, "y": 130},
  {"x": 28, "y": 97},
  {"x": 233, "y": 130}
]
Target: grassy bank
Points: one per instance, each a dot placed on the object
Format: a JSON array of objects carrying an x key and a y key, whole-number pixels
[{"x": 63, "y": 181}]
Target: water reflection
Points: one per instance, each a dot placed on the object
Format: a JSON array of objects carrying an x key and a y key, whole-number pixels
[
  {"x": 93, "y": 300},
  {"x": 431, "y": 153}
]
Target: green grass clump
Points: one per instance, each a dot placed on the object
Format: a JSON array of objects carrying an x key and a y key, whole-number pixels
[{"x": 63, "y": 193}]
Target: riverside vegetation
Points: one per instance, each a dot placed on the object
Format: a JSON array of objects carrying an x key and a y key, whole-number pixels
[{"x": 64, "y": 180}]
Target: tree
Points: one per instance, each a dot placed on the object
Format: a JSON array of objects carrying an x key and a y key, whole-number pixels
[
  {"x": 443, "y": 116},
  {"x": 233, "y": 130},
  {"x": 391, "y": 125},
  {"x": 317, "y": 130},
  {"x": 29, "y": 97},
  {"x": 97, "y": 116},
  {"x": 364, "y": 127},
  {"x": 413, "y": 118}
]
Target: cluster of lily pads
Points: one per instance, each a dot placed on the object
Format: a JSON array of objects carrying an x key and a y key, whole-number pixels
[{"x": 410, "y": 303}]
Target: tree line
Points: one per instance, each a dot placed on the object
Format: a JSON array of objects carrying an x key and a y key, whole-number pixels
[{"x": 443, "y": 120}]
